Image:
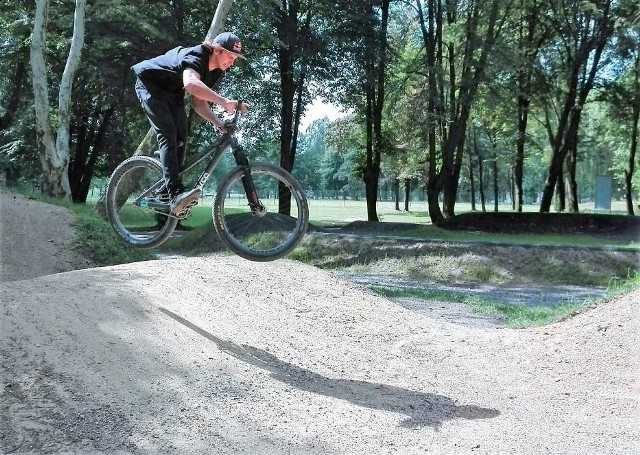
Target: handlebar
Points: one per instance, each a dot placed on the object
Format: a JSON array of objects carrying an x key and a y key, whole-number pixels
[
  {"x": 236, "y": 116},
  {"x": 230, "y": 124}
]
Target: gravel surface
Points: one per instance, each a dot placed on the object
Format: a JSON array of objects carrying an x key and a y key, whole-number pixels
[{"x": 215, "y": 354}]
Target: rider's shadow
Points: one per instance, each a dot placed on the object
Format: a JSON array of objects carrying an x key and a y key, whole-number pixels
[{"x": 422, "y": 409}]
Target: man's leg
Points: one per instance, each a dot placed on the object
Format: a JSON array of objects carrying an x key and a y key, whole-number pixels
[
  {"x": 160, "y": 115},
  {"x": 181, "y": 121}
]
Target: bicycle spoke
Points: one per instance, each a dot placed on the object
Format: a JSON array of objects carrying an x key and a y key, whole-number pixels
[
  {"x": 134, "y": 206},
  {"x": 269, "y": 234}
]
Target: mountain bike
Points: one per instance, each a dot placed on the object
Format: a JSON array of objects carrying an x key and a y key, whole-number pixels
[{"x": 260, "y": 211}]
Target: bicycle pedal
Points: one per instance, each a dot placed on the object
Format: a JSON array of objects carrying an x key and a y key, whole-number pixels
[{"x": 186, "y": 211}]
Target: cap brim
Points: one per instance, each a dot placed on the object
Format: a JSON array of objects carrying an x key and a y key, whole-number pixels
[{"x": 240, "y": 56}]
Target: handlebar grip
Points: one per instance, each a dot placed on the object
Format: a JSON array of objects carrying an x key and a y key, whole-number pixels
[{"x": 237, "y": 113}]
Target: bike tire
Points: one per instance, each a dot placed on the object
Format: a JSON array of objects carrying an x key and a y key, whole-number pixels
[
  {"x": 142, "y": 227},
  {"x": 270, "y": 235}
]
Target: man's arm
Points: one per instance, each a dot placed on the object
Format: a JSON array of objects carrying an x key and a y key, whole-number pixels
[
  {"x": 195, "y": 87},
  {"x": 203, "y": 110}
]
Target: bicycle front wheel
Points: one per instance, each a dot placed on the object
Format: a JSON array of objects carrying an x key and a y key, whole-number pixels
[
  {"x": 135, "y": 208},
  {"x": 269, "y": 229}
]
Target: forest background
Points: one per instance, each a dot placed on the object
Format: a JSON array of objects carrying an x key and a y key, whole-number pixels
[{"x": 517, "y": 101}]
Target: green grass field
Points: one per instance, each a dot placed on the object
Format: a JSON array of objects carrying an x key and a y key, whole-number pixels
[
  {"x": 330, "y": 211},
  {"x": 338, "y": 212}
]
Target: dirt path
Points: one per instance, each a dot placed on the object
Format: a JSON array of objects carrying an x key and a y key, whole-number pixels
[
  {"x": 220, "y": 355},
  {"x": 37, "y": 239}
]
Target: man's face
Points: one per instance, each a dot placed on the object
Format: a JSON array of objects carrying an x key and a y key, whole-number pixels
[{"x": 223, "y": 59}]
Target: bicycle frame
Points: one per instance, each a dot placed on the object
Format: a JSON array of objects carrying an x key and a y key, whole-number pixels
[{"x": 217, "y": 151}]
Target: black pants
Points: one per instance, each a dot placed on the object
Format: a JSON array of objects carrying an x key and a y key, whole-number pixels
[{"x": 168, "y": 119}]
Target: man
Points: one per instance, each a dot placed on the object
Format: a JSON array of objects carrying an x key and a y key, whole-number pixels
[{"x": 161, "y": 85}]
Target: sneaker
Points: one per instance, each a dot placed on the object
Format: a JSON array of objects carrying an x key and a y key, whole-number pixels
[
  {"x": 184, "y": 200},
  {"x": 175, "y": 188}
]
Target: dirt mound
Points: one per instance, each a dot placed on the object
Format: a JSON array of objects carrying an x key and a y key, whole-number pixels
[
  {"x": 37, "y": 239},
  {"x": 220, "y": 355}
]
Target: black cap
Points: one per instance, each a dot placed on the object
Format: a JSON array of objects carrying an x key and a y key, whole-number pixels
[{"x": 229, "y": 42}]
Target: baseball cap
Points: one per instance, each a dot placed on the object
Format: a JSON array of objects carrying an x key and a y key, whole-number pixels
[{"x": 229, "y": 42}]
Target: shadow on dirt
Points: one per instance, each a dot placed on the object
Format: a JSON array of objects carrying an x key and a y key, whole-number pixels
[{"x": 422, "y": 409}]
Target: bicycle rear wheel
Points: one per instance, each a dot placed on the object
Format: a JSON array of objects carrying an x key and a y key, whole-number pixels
[
  {"x": 270, "y": 231},
  {"x": 135, "y": 208}
]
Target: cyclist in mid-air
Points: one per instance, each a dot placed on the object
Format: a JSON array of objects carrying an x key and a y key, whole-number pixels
[{"x": 161, "y": 83}]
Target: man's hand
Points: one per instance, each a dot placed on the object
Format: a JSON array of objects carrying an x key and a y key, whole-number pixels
[
  {"x": 244, "y": 108},
  {"x": 231, "y": 106},
  {"x": 219, "y": 125}
]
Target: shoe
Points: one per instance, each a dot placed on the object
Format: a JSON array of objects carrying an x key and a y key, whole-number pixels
[
  {"x": 175, "y": 188},
  {"x": 184, "y": 200}
]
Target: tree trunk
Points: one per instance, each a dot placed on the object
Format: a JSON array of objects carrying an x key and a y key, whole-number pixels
[
  {"x": 518, "y": 170},
  {"x": 571, "y": 187},
  {"x": 11, "y": 175},
  {"x": 376, "y": 71},
  {"x": 287, "y": 94},
  {"x": 369, "y": 175},
  {"x": 530, "y": 43},
  {"x": 395, "y": 187},
  {"x": 288, "y": 159},
  {"x": 628, "y": 173},
  {"x": 483, "y": 199},
  {"x": 472, "y": 184},
  {"x": 512, "y": 190},
  {"x": 292, "y": 84},
  {"x": 217, "y": 23},
  {"x": 496, "y": 193},
  {"x": 432, "y": 41},
  {"x": 635, "y": 120},
  {"x": 54, "y": 152},
  {"x": 560, "y": 191},
  {"x": 407, "y": 194}
]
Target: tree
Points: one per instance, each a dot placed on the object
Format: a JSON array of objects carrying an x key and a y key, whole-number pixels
[
  {"x": 296, "y": 57},
  {"x": 458, "y": 39},
  {"x": 14, "y": 58},
  {"x": 19, "y": 64},
  {"x": 584, "y": 29},
  {"x": 531, "y": 35},
  {"x": 624, "y": 104},
  {"x": 375, "y": 61},
  {"x": 17, "y": 161},
  {"x": 54, "y": 151},
  {"x": 312, "y": 149}
]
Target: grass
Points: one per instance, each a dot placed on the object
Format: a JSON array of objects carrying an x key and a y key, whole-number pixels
[
  {"x": 513, "y": 315},
  {"x": 325, "y": 213},
  {"x": 96, "y": 238},
  {"x": 619, "y": 286},
  {"x": 341, "y": 211}
]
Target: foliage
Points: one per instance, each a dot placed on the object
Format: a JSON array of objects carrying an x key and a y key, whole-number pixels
[
  {"x": 96, "y": 238},
  {"x": 321, "y": 49}
]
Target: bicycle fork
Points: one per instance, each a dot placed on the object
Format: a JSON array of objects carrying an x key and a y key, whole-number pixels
[{"x": 247, "y": 181}]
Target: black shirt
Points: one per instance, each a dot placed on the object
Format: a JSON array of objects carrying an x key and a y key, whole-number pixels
[{"x": 163, "y": 74}]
